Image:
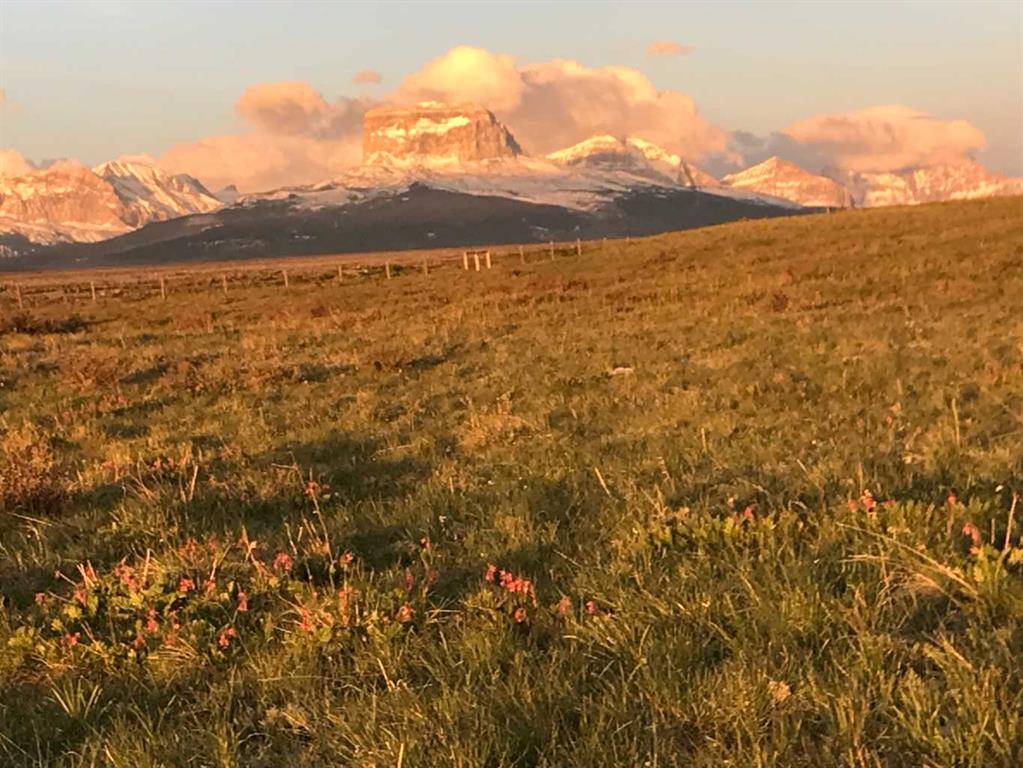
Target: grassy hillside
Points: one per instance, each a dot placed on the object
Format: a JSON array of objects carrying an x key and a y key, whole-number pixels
[{"x": 738, "y": 496}]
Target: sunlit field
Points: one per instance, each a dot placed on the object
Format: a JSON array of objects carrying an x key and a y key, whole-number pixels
[{"x": 741, "y": 496}]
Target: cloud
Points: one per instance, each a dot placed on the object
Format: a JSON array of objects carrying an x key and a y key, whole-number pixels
[
  {"x": 367, "y": 76},
  {"x": 668, "y": 48},
  {"x": 553, "y": 104},
  {"x": 12, "y": 163},
  {"x": 885, "y": 138},
  {"x": 467, "y": 74},
  {"x": 296, "y": 137}
]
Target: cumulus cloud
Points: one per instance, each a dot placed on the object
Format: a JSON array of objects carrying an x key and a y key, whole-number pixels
[
  {"x": 553, "y": 104},
  {"x": 668, "y": 48},
  {"x": 876, "y": 139},
  {"x": 367, "y": 76},
  {"x": 885, "y": 138},
  {"x": 12, "y": 163},
  {"x": 467, "y": 74},
  {"x": 293, "y": 135},
  {"x": 296, "y": 137}
]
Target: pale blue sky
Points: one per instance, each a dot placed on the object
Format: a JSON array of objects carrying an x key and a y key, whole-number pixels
[{"x": 97, "y": 79}]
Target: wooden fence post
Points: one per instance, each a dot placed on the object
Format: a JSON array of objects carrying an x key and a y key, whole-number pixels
[
  {"x": 522, "y": 255},
  {"x": 387, "y": 269},
  {"x": 163, "y": 288},
  {"x": 340, "y": 273},
  {"x": 92, "y": 288},
  {"x": 223, "y": 283},
  {"x": 476, "y": 259},
  {"x": 285, "y": 273},
  {"x": 488, "y": 259},
  {"x": 465, "y": 260},
  {"x": 552, "y": 250},
  {"x": 17, "y": 292}
]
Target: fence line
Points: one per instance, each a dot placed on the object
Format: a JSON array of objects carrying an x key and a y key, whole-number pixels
[{"x": 164, "y": 286}]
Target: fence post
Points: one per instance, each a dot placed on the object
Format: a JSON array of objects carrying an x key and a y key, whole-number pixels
[
  {"x": 465, "y": 260},
  {"x": 223, "y": 283},
  {"x": 522, "y": 255},
  {"x": 285, "y": 273},
  {"x": 552, "y": 250},
  {"x": 340, "y": 274},
  {"x": 92, "y": 288},
  {"x": 488, "y": 259},
  {"x": 163, "y": 288},
  {"x": 387, "y": 269},
  {"x": 476, "y": 259},
  {"x": 17, "y": 292}
]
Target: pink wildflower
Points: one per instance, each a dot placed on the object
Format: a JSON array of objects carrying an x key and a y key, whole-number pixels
[
  {"x": 405, "y": 614},
  {"x": 283, "y": 563}
]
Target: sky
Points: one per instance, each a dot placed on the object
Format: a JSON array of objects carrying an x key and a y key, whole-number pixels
[{"x": 95, "y": 80}]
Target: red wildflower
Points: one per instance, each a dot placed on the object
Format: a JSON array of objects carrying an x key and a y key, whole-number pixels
[
  {"x": 126, "y": 575},
  {"x": 71, "y": 639},
  {"x": 969, "y": 529},
  {"x": 346, "y": 559},
  {"x": 747, "y": 513},
  {"x": 410, "y": 581},
  {"x": 425, "y": 543},
  {"x": 591, "y": 608},
  {"x": 40, "y": 598},
  {"x": 151, "y": 623},
  {"x": 226, "y": 634},
  {"x": 519, "y": 615},
  {"x": 952, "y": 499},
  {"x": 283, "y": 563},
  {"x": 565, "y": 606},
  {"x": 185, "y": 585},
  {"x": 867, "y": 500},
  {"x": 306, "y": 620},
  {"x": 242, "y": 600},
  {"x": 491, "y": 572},
  {"x": 405, "y": 614}
]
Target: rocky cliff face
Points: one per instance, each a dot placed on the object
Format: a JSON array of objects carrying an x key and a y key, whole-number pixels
[
  {"x": 962, "y": 180},
  {"x": 69, "y": 202},
  {"x": 434, "y": 134},
  {"x": 151, "y": 194},
  {"x": 64, "y": 202},
  {"x": 780, "y": 178}
]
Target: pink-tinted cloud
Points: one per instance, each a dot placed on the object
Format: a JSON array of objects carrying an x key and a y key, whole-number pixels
[
  {"x": 885, "y": 138},
  {"x": 296, "y": 137},
  {"x": 553, "y": 104},
  {"x": 668, "y": 48},
  {"x": 12, "y": 163},
  {"x": 367, "y": 77}
]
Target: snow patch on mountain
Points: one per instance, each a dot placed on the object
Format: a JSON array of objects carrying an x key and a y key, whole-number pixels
[{"x": 786, "y": 180}]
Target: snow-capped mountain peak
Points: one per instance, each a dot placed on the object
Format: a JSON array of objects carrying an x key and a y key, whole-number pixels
[
  {"x": 788, "y": 181},
  {"x": 634, "y": 154},
  {"x": 149, "y": 193}
]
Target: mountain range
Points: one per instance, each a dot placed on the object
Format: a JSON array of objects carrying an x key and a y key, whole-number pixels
[{"x": 433, "y": 175}]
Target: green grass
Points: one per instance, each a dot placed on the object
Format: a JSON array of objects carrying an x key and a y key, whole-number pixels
[{"x": 755, "y": 484}]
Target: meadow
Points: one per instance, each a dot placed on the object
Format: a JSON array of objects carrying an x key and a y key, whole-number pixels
[{"x": 739, "y": 496}]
